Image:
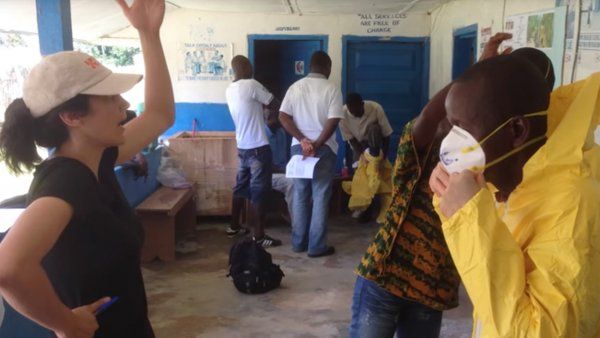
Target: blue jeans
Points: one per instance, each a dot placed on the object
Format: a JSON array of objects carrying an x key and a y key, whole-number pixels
[
  {"x": 377, "y": 313},
  {"x": 309, "y": 229},
  {"x": 253, "y": 180}
]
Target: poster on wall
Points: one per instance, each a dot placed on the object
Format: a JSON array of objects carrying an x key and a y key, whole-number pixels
[
  {"x": 571, "y": 38},
  {"x": 531, "y": 30},
  {"x": 544, "y": 30},
  {"x": 299, "y": 67},
  {"x": 588, "y": 56},
  {"x": 484, "y": 36},
  {"x": 205, "y": 62}
]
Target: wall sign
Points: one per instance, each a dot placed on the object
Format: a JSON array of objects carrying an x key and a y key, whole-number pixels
[
  {"x": 299, "y": 67},
  {"x": 543, "y": 30},
  {"x": 287, "y": 29},
  {"x": 571, "y": 38},
  {"x": 484, "y": 36},
  {"x": 380, "y": 23},
  {"x": 531, "y": 30},
  {"x": 204, "y": 62},
  {"x": 588, "y": 56}
]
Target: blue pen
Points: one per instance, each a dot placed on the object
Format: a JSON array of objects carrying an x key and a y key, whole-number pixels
[{"x": 106, "y": 305}]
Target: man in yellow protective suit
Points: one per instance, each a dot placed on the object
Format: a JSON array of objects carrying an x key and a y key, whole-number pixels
[
  {"x": 372, "y": 177},
  {"x": 518, "y": 193}
]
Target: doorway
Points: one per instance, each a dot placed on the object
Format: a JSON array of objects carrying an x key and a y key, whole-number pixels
[
  {"x": 464, "y": 53},
  {"x": 393, "y": 72},
  {"x": 279, "y": 61}
]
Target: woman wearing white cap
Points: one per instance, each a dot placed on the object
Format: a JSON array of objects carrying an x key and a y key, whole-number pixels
[{"x": 77, "y": 244}]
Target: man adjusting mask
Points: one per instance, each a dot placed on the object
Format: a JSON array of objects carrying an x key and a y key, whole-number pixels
[{"x": 525, "y": 248}]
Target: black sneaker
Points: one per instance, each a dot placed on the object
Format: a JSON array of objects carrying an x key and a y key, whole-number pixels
[
  {"x": 268, "y": 241},
  {"x": 231, "y": 232}
]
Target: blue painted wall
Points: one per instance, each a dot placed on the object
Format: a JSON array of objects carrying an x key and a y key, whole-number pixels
[
  {"x": 137, "y": 190},
  {"x": 209, "y": 116}
]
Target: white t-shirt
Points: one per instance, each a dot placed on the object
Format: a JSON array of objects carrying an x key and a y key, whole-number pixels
[
  {"x": 245, "y": 99},
  {"x": 311, "y": 101},
  {"x": 356, "y": 127}
]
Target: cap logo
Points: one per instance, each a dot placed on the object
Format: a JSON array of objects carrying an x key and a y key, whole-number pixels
[{"x": 91, "y": 62}]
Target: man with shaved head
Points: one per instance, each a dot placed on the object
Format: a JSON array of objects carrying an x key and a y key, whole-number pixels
[
  {"x": 246, "y": 98},
  {"x": 517, "y": 191}
]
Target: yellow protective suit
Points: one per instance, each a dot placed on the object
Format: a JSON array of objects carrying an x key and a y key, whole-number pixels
[
  {"x": 372, "y": 177},
  {"x": 532, "y": 269}
]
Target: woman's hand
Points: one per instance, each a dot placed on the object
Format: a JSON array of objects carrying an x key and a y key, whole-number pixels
[
  {"x": 84, "y": 323},
  {"x": 460, "y": 189},
  {"x": 439, "y": 180},
  {"x": 145, "y": 15}
]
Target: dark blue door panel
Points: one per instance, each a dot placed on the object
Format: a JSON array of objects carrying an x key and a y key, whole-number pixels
[
  {"x": 275, "y": 67},
  {"x": 275, "y": 62},
  {"x": 465, "y": 50},
  {"x": 390, "y": 73}
]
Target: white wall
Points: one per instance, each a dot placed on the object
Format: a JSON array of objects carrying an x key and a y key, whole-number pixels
[
  {"x": 460, "y": 13},
  {"x": 195, "y": 26}
]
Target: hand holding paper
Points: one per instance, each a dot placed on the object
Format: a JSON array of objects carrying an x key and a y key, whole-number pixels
[{"x": 299, "y": 167}]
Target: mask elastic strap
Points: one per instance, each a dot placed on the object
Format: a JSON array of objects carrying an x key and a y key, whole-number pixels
[
  {"x": 471, "y": 148},
  {"x": 547, "y": 69},
  {"x": 514, "y": 151}
]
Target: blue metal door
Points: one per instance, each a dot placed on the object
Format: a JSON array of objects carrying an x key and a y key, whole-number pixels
[
  {"x": 279, "y": 63},
  {"x": 392, "y": 73},
  {"x": 465, "y": 50},
  {"x": 295, "y": 59}
]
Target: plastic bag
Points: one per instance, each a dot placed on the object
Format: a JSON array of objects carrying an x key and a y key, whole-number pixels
[{"x": 170, "y": 174}]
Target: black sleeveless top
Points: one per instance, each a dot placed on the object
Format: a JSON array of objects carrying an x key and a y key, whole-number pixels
[{"x": 98, "y": 253}]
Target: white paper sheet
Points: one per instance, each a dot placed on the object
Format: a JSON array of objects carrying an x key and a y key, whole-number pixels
[{"x": 301, "y": 168}]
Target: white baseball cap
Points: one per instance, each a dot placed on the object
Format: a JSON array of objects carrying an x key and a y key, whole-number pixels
[{"x": 62, "y": 76}]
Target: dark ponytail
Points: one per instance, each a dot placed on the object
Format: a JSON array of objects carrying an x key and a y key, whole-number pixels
[
  {"x": 17, "y": 140},
  {"x": 21, "y": 132}
]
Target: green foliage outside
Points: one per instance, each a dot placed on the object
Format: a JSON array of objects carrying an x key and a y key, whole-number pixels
[{"x": 114, "y": 55}]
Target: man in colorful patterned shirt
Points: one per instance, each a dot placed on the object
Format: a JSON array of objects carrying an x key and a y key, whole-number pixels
[{"x": 407, "y": 276}]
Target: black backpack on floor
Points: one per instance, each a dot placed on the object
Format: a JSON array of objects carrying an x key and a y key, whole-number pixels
[{"x": 252, "y": 269}]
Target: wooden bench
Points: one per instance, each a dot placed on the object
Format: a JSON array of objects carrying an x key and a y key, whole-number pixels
[{"x": 160, "y": 213}]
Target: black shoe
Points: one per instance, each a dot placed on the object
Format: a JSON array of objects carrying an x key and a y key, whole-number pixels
[
  {"x": 298, "y": 250},
  {"x": 268, "y": 241},
  {"x": 366, "y": 217},
  {"x": 328, "y": 252},
  {"x": 231, "y": 232}
]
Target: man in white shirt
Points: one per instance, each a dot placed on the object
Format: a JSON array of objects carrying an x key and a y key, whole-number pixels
[
  {"x": 246, "y": 98},
  {"x": 310, "y": 112},
  {"x": 365, "y": 126}
]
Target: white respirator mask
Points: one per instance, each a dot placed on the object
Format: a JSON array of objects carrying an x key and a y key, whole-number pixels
[{"x": 460, "y": 151}]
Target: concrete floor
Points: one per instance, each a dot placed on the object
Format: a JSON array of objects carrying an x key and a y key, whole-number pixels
[{"x": 192, "y": 297}]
